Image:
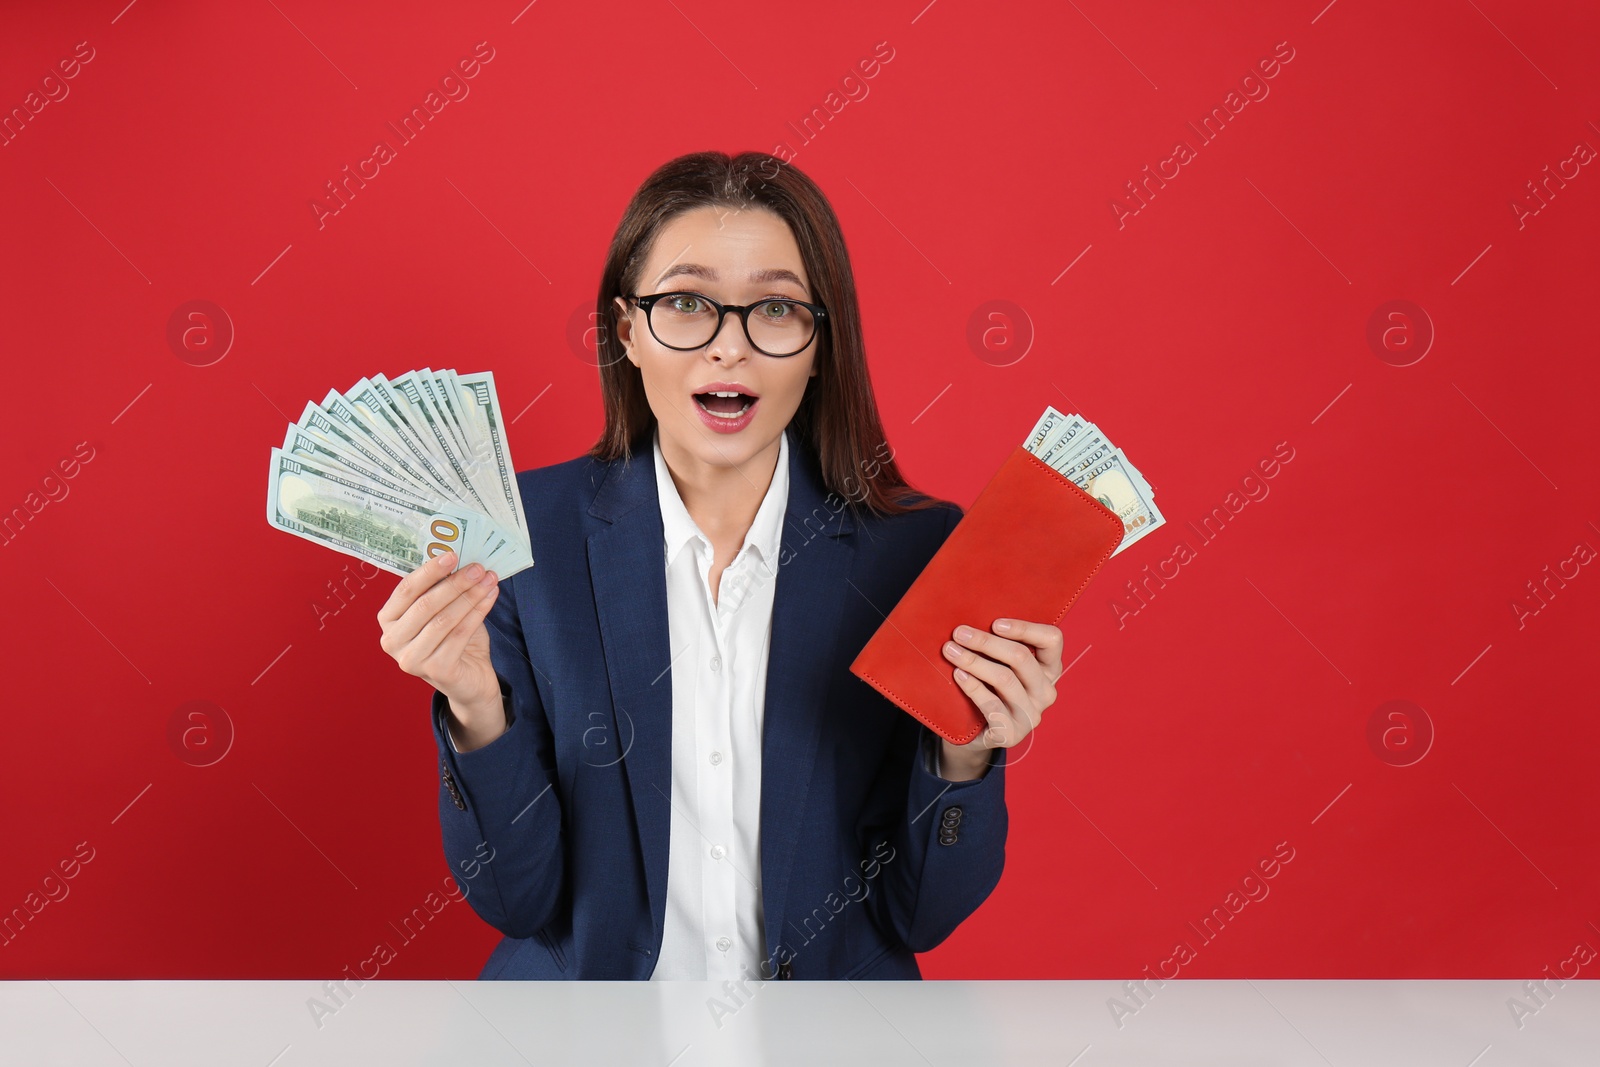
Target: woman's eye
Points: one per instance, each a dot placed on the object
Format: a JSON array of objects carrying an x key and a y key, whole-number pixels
[
  {"x": 776, "y": 309},
  {"x": 688, "y": 305}
]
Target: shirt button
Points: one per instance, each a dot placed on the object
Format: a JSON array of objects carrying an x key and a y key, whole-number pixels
[
  {"x": 716, "y": 757},
  {"x": 716, "y": 663},
  {"x": 717, "y": 852},
  {"x": 723, "y": 944}
]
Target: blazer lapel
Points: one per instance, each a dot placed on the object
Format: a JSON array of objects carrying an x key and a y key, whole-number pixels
[
  {"x": 627, "y": 566},
  {"x": 812, "y": 589},
  {"x": 628, "y": 571}
]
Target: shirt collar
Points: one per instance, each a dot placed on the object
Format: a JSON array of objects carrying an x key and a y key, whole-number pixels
[{"x": 765, "y": 534}]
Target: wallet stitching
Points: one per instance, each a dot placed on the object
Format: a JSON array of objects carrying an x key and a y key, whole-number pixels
[
  {"x": 1110, "y": 517},
  {"x": 919, "y": 716}
]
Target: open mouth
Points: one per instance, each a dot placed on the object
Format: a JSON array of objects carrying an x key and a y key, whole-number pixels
[{"x": 724, "y": 405}]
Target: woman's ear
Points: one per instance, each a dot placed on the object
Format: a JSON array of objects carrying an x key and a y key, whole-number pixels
[{"x": 624, "y": 328}]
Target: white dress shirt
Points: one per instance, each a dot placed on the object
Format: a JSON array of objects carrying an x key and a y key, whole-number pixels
[{"x": 719, "y": 678}]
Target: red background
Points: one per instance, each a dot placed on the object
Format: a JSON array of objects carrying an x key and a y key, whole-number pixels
[{"x": 1229, "y": 314}]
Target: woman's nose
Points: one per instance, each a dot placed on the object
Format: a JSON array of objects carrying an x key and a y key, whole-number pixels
[{"x": 730, "y": 344}]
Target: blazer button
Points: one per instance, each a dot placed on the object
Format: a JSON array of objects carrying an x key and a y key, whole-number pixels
[
  {"x": 951, "y": 816},
  {"x": 455, "y": 794},
  {"x": 785, "y": 970},
  {"x": 947, "y": 837}
]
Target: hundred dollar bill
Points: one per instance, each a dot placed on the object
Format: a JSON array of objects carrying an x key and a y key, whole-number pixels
[
  {"x": 1110, "y": 482},
  {"x": 1043, "y": 429},
  {"x": 384, "y": 460},
  {"x": 485, "y": 462},
  {"x": 448, "y": 391},
  {"x": 1067, "y": 438},
  {"x": 506, "y": 527},
  {"x": 304, "y": 443},
  {"x": 419, "y": 409},
  {"x": 1077, "y": 448},
  {"x": 479, "y": 462},
  {"x": 1071, "y": 444},
  {"x": 492, "y": 546},
  {"x": 1094, "y": 449},
  {"x": 413, "y": 394},
  {"x": 372, "y": 399},
  {"x": 325, "y": 506},
  {"x": 482, "y": 541},
  {"x": 338, "y": 433},
  {"x": 433, "y": 388},
  {"x": 479, "y": 397},
  {"x": 372, "y": 432}
]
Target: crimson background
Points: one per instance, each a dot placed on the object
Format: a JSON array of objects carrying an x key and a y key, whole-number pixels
[{"x": 1228, "y": 315}]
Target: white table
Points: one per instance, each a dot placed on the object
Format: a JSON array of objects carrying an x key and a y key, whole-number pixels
[{"x": 490, "y": 1024}]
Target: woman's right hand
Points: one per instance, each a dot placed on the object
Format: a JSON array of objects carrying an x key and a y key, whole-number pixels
[{"x": 433, "y": 627}]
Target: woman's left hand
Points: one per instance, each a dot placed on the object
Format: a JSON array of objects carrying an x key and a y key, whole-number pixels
[{"x": 1010, "y": 674}]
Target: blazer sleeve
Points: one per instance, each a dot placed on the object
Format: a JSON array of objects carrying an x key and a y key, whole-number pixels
[
  {"x": 499, "y": 809},
  {"x": 946, "y": 840}
]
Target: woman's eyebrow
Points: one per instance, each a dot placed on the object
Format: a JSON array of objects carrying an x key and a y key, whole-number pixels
[{"x": 697, "y": 270}]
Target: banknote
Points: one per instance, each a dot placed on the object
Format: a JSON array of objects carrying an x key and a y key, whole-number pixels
[
  {"x": 1115, "y": 484},
  {"x": 1082, "y": 453},
  {"x": 396, "y": 471},
  {"x": 1064, "y": 439},
  {"x": 1044, "y": 429},
  {"x": 482, "y": 405},
  {"x": 332, "y": 509},
  {"x": 1092, "y": 448}
]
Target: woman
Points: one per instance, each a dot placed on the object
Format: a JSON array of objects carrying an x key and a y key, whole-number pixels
[{"x": 655, "y": 762}]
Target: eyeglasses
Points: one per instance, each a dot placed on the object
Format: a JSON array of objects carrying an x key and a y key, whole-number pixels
[{"x": 685, "y": 321}]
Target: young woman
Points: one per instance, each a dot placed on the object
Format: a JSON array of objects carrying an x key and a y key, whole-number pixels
[{"x": 655, "y": 761}]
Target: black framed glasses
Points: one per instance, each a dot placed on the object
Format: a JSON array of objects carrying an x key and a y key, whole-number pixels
[{"x": 684, "y": 321}]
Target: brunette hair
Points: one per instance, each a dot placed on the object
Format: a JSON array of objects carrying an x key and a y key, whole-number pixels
[{"x": 838, "y": 416}]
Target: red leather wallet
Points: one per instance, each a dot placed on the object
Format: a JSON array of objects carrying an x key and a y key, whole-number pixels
[{"x": 1024, "y": 550}]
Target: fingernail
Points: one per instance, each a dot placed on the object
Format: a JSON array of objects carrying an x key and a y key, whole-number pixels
[
  {"x": 964, "y": 633},
  {"x": 963, "y": 675},
  {"x": 491, "y": 578},
  {"x": 446, "y": 558},
  {"x": 951, "y": 648},
  {"x": 474, "y": 572},
  {"x": 1002, "y": 625}
]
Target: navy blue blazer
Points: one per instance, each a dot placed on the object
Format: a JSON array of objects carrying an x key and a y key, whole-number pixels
[{"x": 557, "y": 830}]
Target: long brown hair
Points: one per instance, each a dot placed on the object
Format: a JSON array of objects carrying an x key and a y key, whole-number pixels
[{"x": 838, "y": 415}]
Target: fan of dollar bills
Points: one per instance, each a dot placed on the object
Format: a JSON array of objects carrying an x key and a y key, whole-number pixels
[
  {"x": 1075, "y": 446},
  {"x": 397, "y": 471}
]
